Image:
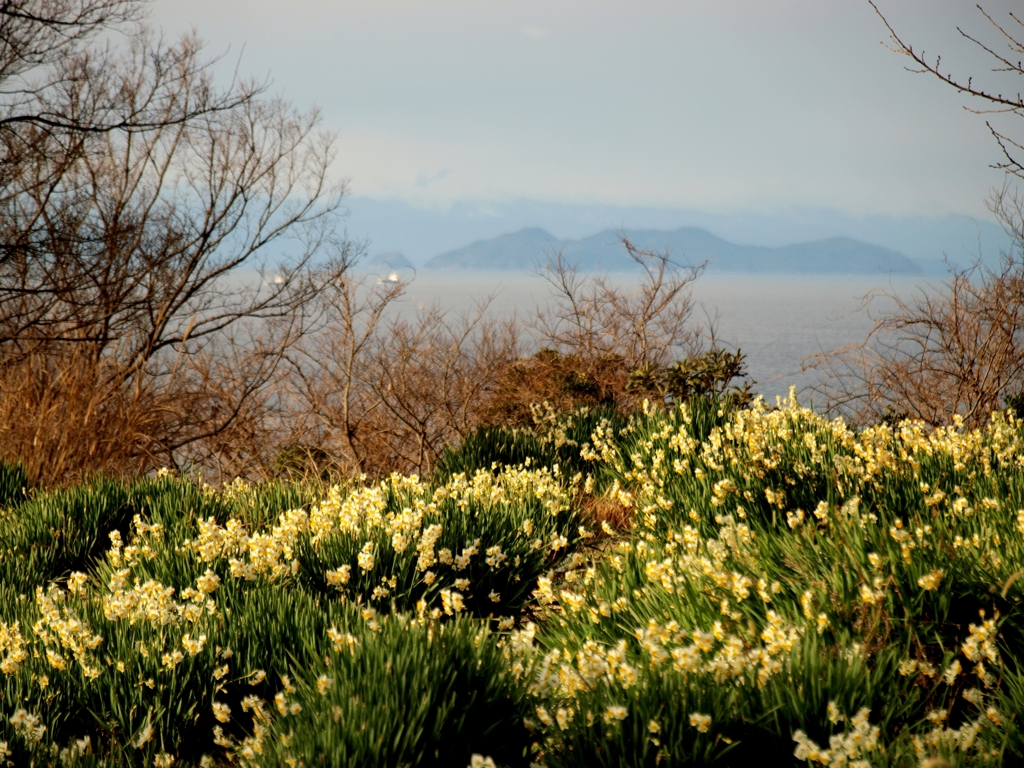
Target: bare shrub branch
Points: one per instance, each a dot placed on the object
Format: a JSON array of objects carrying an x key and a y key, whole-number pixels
[
  {"x": 951, "y": 351},
  {"x": 1005, "y": 51},
  {"x": 385, "y": 392},
  {"x": 595, "y": 318},
  {"x": 956, "y": 350},
  {"x": 597, "y": 332}
]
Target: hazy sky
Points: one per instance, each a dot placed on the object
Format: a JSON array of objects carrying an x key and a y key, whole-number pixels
[{"x": 721, "y": 105}]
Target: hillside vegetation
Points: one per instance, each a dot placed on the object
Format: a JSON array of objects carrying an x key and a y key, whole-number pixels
[{"x": 705, "y": 585}]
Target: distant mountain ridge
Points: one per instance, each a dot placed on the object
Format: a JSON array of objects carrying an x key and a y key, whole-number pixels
[
  {"x": 514, "y": 251},
  {"x": 422, "y": 231},
  {"x": 531, "y": 247},
  {"x": 386, "y": 260}
]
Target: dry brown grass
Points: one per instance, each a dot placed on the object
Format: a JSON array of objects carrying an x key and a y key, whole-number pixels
[
  {"x": 64, "y": 414},
  {"x": 61, "y": 416},
  {"x": 601, "y": 509}
]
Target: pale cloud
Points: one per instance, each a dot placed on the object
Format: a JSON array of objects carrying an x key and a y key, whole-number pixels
[
  {"x": 536, "y": 32},
  {"x": 424, "y": 179}
]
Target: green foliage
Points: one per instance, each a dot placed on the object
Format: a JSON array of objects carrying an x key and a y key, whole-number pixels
[
  {"x": 1015, "y": 402},
  {"x": 708, "y": 375},
  {"x": 556, "y": 438},
  {"x": 55, "y": 533},
  {"x": 488, "y": 446},
  {"x": 654, "y": 729},
  {"x": 416, "y": 693},
  {"x": 52, "y": 534},
  {"x": 134, "y": 619},
  {"x": 14, "y": 484},
  {"x": 500, "y": 534},
  {"x": 299, "y": 461},
  {"x": 569, "y": 436}
]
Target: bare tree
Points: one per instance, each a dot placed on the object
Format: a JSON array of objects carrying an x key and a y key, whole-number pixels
[
  {"x": 433, "y": 376},
  {"x": 57, "y": 88},
  {"x": 158, "y": 239},
  {"x": 379, "y": 389},
  {"x": 955, "y": 349},
  {"x": 330, "y": 402},
  {"x": 37, "y": 36},
  {"x": 1004, "y": 49},
  {"x": 47, "y": 52}
]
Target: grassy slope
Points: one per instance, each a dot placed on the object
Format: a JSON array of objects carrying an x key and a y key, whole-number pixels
[{"x": 791, "y": 590}]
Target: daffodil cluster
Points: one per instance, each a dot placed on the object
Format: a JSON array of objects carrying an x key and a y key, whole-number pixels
[
  {"x": 164, "y": 648},
  {"x": 770, "y": 544}
]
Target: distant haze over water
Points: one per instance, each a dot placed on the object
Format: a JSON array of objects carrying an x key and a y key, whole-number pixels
[{"x": 776, "y": 320}]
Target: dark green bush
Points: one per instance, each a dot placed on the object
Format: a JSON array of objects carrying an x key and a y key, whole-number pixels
[
  {"x": 557, "y": 439},
  {"x": 488, "y": 446},
  {"x": 14, "y": 484},
  {"x": 57, "y": 532},
  {"x": 412, "y": 694}
]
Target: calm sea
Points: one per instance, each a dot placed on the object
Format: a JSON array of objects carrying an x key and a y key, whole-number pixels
[{"x": 776, "y": 320}]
